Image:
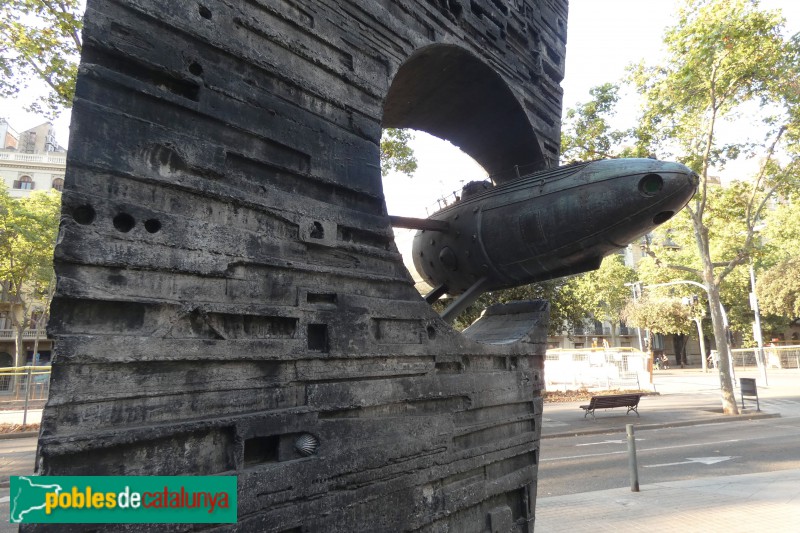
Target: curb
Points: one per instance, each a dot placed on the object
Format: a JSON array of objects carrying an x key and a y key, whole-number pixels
[
  {"x": 19, "y": 434},
  {"x": 696, "y": 422}
]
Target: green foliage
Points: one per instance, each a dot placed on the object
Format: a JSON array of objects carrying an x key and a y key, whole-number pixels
[
  {"x": 780, "y": 234},
  {"x": 40, "y": 40},
  {"x": 587, "y": 134},
  {"x": 721, "y": 55},
  {"x": 725, "y": 57},
  {"x": 396, "y": 154},
  {"x": 778, "y": 288},
  {"x": 659, "y": 314},
  {"x": 602, "y": 293},
  {"x": 28, "y": 229}
]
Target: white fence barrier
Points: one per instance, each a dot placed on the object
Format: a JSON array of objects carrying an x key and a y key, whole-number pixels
[
  {"x": 596, "y": 368},
  {"x": 775, "y": 356}
]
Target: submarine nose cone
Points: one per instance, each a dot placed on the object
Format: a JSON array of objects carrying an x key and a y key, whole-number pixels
[{"x": 694, "y": 179}]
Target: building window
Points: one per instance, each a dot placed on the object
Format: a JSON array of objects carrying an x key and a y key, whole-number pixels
[
  {"x": 25, "y": 183},
  {"x": 58, "y": 184}
]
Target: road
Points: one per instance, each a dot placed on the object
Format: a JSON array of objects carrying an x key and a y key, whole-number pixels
[
  {"x": 570, "y": 465},
  {"x": 17, "y": 456}
]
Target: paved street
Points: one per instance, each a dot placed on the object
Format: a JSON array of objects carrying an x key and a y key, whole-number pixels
[
  {"x": 16, "y": 458},
  {"x": 597, "y": 462},
  {"x": 699, "y": 471}
]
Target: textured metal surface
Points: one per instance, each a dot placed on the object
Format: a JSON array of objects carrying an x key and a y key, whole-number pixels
[
  {"x": 549, "y": 224},
  {"x": 227, "y": 278}
]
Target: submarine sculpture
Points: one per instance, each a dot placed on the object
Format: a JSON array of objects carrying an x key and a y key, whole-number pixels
[{"x": 543, "y": 225}]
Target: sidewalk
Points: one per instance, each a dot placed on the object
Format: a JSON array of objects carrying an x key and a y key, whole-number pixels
[
  {"x": 768, "y": 501},
  {"x": 684, "y": 397},
  {"x": 732, "y": 504}
]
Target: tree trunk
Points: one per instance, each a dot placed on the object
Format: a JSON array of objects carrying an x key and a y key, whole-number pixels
[
  {"x": 19, "y": 323},
  {"x": 679, "y": 345},
  {"x": 729, "y": 405}
]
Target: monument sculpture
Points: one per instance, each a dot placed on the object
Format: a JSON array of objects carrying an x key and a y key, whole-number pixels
[
  {"x": 546, "y": 225},
  {"x": 230, "y": 299}
]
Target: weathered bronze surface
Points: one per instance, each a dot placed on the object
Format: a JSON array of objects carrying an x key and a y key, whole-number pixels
[{"x": 546, "y": 225}]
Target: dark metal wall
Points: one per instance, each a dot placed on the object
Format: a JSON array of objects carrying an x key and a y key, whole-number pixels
[{"x": 228, "y": 283}]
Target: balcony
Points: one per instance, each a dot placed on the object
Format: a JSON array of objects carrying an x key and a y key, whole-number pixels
[
  {"x": 52, "y": 159},
  {"x": 28, "y": 334}
]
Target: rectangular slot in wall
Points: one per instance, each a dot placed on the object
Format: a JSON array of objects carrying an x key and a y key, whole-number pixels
[
  {"x": 258, "y": 450},
  {"x": 319, "y": 298},
  {"x": 318, "y": 337}
]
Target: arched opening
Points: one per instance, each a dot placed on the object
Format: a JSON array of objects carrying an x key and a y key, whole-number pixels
[
  {"x": 442, "y": 171},
  {"x": 448, "y": 92}
]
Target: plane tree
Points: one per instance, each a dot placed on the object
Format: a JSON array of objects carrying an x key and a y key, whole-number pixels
[
  {"x": 28, "y": 229},
  {"x": 724, "y": 58},
  {"x": 778, "y": 285},
  {"x": 603, "y": 293},
  {"x": 396, "y": 152},
  {"x": 40, "y": 43},
  {"x": 779, "y": 288},
  {"x": 659, "y": 313},
  {"x": 587, "y": 132}
]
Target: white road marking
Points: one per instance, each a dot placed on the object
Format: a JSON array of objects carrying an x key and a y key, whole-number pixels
[
  {"x": 642, "y": 450},
  {"x": 618, "y": 441},
  {"x": 702, "y": 460}
]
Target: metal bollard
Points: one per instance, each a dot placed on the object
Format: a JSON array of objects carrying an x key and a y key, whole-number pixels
[
  {"x": 632, "y": 458},
  {"x": 27, "y": 396}
]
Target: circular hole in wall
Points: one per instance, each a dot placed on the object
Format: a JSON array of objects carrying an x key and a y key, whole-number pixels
[
  {"x": 152, "y": 225},
  {"x": 84, "y": 214},
  {"x": 124, "y": 222}
]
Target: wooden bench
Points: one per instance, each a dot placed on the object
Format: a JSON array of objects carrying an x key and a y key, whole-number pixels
[{"x": 631, "y": 401}]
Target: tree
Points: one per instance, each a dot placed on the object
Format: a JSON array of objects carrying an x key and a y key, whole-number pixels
[
  {"x": 603, "y": 292},
  {"x": 779, "y": 289},
  {"x": 396, "y": 154},
  {"x": 587, "y": 133},
  {"x": 778, "y": 286},
  {"x": 723, "y": 55},
  {"x": 40, "y": 40},
  {"x": 666, "y": 315},
  {"x": 28, "y": 229},
  {"x": 674, "y": 244}
]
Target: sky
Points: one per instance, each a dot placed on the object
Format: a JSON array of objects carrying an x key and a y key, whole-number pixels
[{"x": 604, "y": 36}]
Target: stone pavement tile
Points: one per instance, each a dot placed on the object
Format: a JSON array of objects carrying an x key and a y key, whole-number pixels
[
  {"x": 17, "y": 457},
  {"x": 727, "y": 504}
]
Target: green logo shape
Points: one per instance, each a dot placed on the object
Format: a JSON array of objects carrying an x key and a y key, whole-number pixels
[{"x": 123, "y": 499}]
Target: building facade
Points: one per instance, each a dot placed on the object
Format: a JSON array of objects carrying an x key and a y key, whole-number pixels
[{"x": 30, "y": 160}]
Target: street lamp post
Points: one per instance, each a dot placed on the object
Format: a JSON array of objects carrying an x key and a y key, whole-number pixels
[
  {"x": 701, "y": 340},
  {"x": 701, "y": 337},
  {"x": 634, "y": 287},
  {"x": 760, "y": 359}
]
